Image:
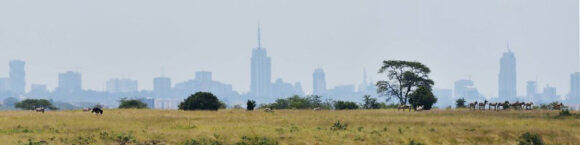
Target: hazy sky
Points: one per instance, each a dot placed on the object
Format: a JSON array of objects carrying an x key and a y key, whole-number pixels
[{"x": 138, "y": 39}]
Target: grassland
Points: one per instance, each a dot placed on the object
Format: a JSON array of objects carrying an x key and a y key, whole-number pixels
[{"x": 285, "y": 126}]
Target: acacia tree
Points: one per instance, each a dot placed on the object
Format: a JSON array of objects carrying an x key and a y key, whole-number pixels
[{"x": 403, "y": 77}]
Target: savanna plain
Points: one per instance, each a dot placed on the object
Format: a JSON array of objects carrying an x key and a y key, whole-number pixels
[{"x": 295, "y": 127}]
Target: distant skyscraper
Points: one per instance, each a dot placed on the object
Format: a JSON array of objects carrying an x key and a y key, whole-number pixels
[
  {"x": 574, "y": 87},
  {"x": 318, "y": 82},
  {"x": 161, "y": 85},
  {"x": 122, "y": 86},
  {"x": 4, "y": 84},
  {"x": 203, "y": 76},
  {"x": 507, "y": 76},
  {"x": 69, "y": 81},
  {"x": 17, "y": 74},
  {"x": 261, "y": 82},
  {"x": 466, "y": 89},
  {"x": 550, "y": 93},
  {"x": 444, "y": 96},
  {"x": 531, "y": 89}
]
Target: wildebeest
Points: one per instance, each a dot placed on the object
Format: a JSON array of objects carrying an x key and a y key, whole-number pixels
[
  {"x": 97, "y": 111},
  {"x": 404, "y": 107},
  {"x": 482, "y": 105},
  {"x": 517, "y": 105}
]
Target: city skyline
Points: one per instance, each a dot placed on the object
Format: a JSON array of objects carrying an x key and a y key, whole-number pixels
[{"x": 188, "y": 38}]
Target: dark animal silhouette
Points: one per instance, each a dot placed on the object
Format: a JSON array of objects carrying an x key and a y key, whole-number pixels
[{"x": 97, "y": 111}]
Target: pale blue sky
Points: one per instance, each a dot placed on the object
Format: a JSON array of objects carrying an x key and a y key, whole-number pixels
[{"x": 137, "y": 38}]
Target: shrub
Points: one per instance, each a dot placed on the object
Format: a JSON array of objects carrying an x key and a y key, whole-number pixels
[
  {"x": 460, "y": 103},
  {"x": 565, "y": 112},
  {"x": 343, "y": 105},
  {"x": 530, "y": 139},
  {"x": 422, "y": 97},
  {"x": 256, "y": 141},
  {"x": 413, "y": 142},
  {"x": 128, "y": 104},
  {"x": 250, "y": 105},
  {"x": 30, "y": 104},
  {"x": 370, "y": 103},
  {"x": 200, "y": 101},
  {"x": 338, "y": 126}
]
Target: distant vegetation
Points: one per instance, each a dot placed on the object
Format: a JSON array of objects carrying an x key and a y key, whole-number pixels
[
  {"x": 250, "y": 105},
  {"x": 460, "y": 103},
  {"x": 132, "y": 104},
  {"x": 297, "y": 102},
  {"x": 30, "y": 104},
  {"x": 345, "y": 105},
  {"x": 201, "y": 101}
]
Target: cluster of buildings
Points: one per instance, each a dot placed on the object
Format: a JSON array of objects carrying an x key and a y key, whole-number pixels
[
  {"x": 167, "y": 95},
  {"x": 507, "y": 88}
]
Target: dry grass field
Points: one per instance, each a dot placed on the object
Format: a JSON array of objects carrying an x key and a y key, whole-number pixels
[{"x": 285, "y": 127}]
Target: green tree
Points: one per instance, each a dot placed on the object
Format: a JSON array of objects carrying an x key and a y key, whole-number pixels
[
  {"x": 460, "y": 103},
  {"x": 200, "y": 101},
  {"x": 422, "y": 97},
  {"x": 403, "y": 77},
  {"x": 250, "y": 105},
  {"x": 30, "y": 104},
  {"x": 132, "y": 104},
  {"x": 10, "y": 102},
  {"x": 370, "y": 103},
  {"x": 345, "y": 105}
]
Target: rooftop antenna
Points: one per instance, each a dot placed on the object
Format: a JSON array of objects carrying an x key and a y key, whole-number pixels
[{"x": 259, "y": 36}]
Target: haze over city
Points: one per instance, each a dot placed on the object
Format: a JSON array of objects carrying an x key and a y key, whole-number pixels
[{"x": 456, "y": 39}]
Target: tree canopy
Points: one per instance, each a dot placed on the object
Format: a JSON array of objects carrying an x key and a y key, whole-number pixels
[
  {"x": 30, "y": 104},
  {"x": 460, "y": 103},
  {"x": 403, "y": 77},
  {"x": 201, "y": 101},
  {"x": 250, "y": 105},
  {"x": 345, "y": 105},
  {"x": 370, "y": 103},
  {"x": 135, "y": 104},
  {"x": 422, "y": 97}
]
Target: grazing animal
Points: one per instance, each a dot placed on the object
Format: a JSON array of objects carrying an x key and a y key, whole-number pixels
[
  {"x": 529, "y": 105},
  {"x": 517, "y": 105},
  {"x": 87, "y": 109},
  {"x": 472, "y": 105},
  {"x": 268, "y": 110},
  {"x": 317, "y": 109},
  {"x": 494, "y": 105},
  {"x": 482, "y": 105},
  {"x": 419, "y": 109},
  {"x": 404, "y": 107},
  {"x": 97, "y": 111},
  {"x": 557, "y": 106},
  {"x": 40, "y": 109}
]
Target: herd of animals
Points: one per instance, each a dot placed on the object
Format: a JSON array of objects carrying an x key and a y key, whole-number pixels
[
  {"x": 96, "y": 110},
  {"x": 495, "y": 105},
  {"x": 472, "y": 106}
]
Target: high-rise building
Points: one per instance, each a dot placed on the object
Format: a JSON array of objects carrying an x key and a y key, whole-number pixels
[
  {"x": 122, "y": 86},
  {"x": 507, "y": 76},
  {"x": 574, "y": 87},
  {"x": 444, "y": 96},
  {"x": 550, "y": 93},
  {"x": 466, "y": 89},
  {"x": 69, "y": 81},
  {"x": 261, "y": 82},
  {"x": 318, "y": 82},
  {"x": 161, "y": 85},
  {"x": 17, "y": 74},
  {"x": 203, "y": 76},
  {"x": 4, "y": 84},
  {"x": 531, "y": 89}
]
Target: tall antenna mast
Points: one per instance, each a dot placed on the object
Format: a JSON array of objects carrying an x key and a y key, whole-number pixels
[{"x": 259, "y": 36}]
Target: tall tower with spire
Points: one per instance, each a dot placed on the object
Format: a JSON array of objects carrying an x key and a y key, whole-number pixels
[
  {"x": 507, "y": 75},
  {"x": 261, "y": 84}
]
